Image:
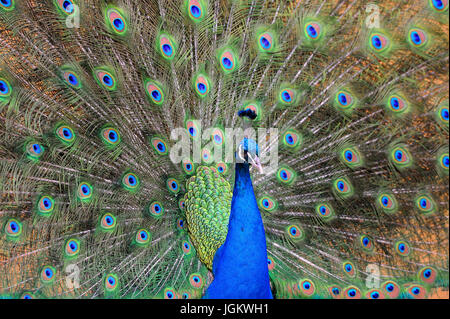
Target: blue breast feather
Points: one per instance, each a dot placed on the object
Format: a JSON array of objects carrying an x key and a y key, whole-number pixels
[{"x": 240, "y": 264}]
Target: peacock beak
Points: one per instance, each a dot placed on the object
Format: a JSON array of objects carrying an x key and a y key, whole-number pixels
[{"x": 253, "y": 159}]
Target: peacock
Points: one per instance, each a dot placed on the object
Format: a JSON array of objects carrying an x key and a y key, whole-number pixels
[{"x": 230, "y": 149}]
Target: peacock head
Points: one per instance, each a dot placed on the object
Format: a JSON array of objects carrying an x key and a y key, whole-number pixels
[{"x": 248, "y": 152}]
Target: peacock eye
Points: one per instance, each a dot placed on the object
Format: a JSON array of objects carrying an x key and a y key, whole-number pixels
[
  {"x": 195, "y": 11},
  {"x": 66, "y": 6},
  {"x": 110, "y": 137},
  {"x": 286, "y": 175},
  {"x": 379, "y": 42},
  {"x": 352, "y": 292},
  {"x": 34, "y": 150},
  {"x": 108, "y": 222},
  {"x": 116, "y": 20},
  {"x": 72, "y": 248},
  {"x": 159, "y": 145},
  {"x": 130, "y": 182},
  {"x": 313, "y": 31},
  {"x": 351, "y": 157},
  {"x": 445, "y": 114},
  {"x": 167, "y": 46},
  {"x": 48, "y": 274},
  {"x": 401, "y": 157},
  {"x": 445, "y": 161},
  {"x": 201, "y": 85},
  {"x": 342, "y": 187},
  {"x": 156, "y": 209},
  {"x": 268, "y": 204},
  {"x": 397, "y": 104},
  {"x": 84, "y": 191},
  {"x": 192, "y": 128},
  {"x": 45, "y": 205},
  {"x": 196, "y": 281},
  {"x": 417, "y": 37},
  {"x": 172, "y": 185},
  {"x": 325, "y": 211},
  {"x": 13, "y": 229},
  {"x": 307, "y": 287},
  {"x": 105, "y": 79},
  {"x": 154, "y": 91},
  {"x": 417, "y": 291},
  {"x": 142, "y": 237},
  {"x": 439, "y": 5},
  {"x": 4, "y": 88},
  {"x": 402, "y": 248},
  {"x": 72, "y": 79},
  {"x": 111, "y": 282},
  {"x": 344, "y": 100},
  {"x": 217, "y": 136},
  {"x": 265, "y": 42},
  {"x": 425, "y": 204},
  {"x": 228, "y": 61},
  {"x": 295, "y": 233},
  {"x": 65, "y": 134},
  {"x": 428, "y": 275},
  {"x": 349, "y": 269},
  {"x": 27, "y": 295},
  {"x": 180, "y": 223},
  {"x": 169, "y": 293},
  {"x": 366, "y": 243},
  {"x": 287, "y": 96},
  {"x": 7, "y": 4}
]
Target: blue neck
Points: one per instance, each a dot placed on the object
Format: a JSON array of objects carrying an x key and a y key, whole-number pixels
[{"x": 240, "y": 264}]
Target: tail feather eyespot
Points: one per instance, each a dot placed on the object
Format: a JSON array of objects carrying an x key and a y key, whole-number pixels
[
  {"x": 34, "y": 150},
  {"x": 108, "y": 222},
  {"x": 110, "y": 136},
  {"x": 391, "y": 289},
  {"x": 48, "y": 274},
  {"x": 45, "y": 205},
  {"x": 65, "y": 6},
  {"x": 111, "y": 282},
  {"x": 7, "y": 5},
  {"x": 105, "y": 79},
  {"x": 115, "y": 20},
  {"x": 13, "y": 229},
  {"x": 72, "y": 248},
  {"x": 142, "y": 237},
  {"x": 167, "y": 46},
  {"x": 352, "y": 292},
  {"x": 154, "y": 91},
  {"x": 130, "y": 182},
  {"x": 65, "y": 134},
  {"x": 85, "y": 192}
]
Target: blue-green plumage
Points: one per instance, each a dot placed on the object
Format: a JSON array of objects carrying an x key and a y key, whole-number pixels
[{"x": 240, "y": 265}]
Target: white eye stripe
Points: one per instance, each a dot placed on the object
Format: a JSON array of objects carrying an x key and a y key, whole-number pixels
[{"x": 241, "y": 153}]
